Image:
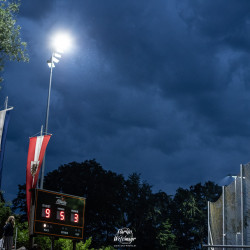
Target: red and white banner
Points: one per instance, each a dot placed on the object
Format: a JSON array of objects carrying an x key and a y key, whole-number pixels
[{"x": 37, "y": 147}]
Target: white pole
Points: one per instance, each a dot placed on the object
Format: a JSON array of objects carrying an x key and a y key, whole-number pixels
[
  {"x": 208, "y": 229},
  {"x": 210, "y": 237},
  {"x": 223, "y": 216},
  {"x": 47, "y": 118},
  {"x": 6, "y": 102},
  {"x": 41, "y": 133},
  {"x": 242, "y": 209},
  {"x": 235, "y": 201},
  {"x": 16, "y": 237}
]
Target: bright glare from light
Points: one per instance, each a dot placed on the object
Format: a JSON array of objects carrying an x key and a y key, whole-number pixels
[{"x": 62, "y": 42}]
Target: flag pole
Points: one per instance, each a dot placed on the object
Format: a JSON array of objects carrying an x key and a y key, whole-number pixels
[
  {"x": 47, "y": 117},
  {"x": 4, "y": 121},
  {"x": 41, "y": 130},
  {"x": 6, "y": 102},
  {"x": 41, "y": 133}
]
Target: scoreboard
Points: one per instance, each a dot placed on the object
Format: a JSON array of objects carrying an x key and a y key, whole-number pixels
[{"x": 58, "y": 214}]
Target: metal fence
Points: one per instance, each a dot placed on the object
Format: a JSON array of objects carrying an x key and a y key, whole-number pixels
[{"x": 229, "y": 216}]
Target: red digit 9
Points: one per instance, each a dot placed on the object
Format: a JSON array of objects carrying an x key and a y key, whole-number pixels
[{"x": 47, "y": 213}]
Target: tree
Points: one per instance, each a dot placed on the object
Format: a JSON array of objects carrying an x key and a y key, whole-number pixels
[
  {"x": 202, "y": 194},
  {"x": 166, "y": 237},
  {"x": 138, "y": 211},
  {"x": 11, "y": 46},
  {"x": 104, "y": 193},
  {"x": 157, "y": 220},
  {"x": 189, "y": 214},
  {"x": 19, "y": 203},
  {"x": 112, "y": 202}
]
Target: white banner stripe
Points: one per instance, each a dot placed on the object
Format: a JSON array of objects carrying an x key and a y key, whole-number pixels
[
  {"x": 2, "y": 119},
  {"x": 39, "y": 142}
]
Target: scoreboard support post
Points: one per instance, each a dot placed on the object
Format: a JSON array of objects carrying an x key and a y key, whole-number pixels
[
  {"x": 74, "y": 244},
  {"x": 52, "y": 242},
  {"x": 31, "y": 218},
  {"x": 31, "y": 241}
]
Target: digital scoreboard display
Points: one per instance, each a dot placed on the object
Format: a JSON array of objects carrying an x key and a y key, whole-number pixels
[{"x": 58, "y": 214}]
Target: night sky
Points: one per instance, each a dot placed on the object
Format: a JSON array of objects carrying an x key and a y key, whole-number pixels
[{"x": 160, "y": 88}]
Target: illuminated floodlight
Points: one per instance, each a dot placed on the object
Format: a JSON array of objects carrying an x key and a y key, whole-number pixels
[
  {"x": 62, "y": 42},
  {"x": 56, "y": 60},
  {"x": 57, "y": 55}
]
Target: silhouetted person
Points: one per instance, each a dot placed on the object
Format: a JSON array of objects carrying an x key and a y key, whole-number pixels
[{"x": 8, "y": 232}]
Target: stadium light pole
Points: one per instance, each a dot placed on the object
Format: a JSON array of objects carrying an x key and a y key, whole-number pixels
[{"x": 60, "y": 43}]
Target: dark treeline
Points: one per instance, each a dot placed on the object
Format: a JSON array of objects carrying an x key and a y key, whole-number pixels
[{"x": 158, "y": 220}]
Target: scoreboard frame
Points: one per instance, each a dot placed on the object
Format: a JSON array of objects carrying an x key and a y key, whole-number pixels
[{"x": 57, "y": 214}]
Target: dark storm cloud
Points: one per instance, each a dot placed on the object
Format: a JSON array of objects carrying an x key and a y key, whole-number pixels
[
  {"x": 206, "y": 18},
  {"x": 35, "y": 9},
  {"x": 161, "y": 88}
]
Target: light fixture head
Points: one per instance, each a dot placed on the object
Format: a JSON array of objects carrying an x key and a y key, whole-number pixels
[
  {"x": 54, "y": 59},
  {"x": 57, "y": 55},
  {"x": 50, "y": 64}
]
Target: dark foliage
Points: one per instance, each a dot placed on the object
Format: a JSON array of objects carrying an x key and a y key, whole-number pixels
[
  {"x": 12, "y": 48},
  {"x": 19, "y": 203},
  {"x": 113, "y": 202},
  {"x": 189, "y": 214}
]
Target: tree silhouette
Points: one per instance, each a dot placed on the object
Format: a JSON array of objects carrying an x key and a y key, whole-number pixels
[
  {"x": 157, "y": 220},
  {"x": 104, "y": 195},
  {"x": 189, "y": 214}
]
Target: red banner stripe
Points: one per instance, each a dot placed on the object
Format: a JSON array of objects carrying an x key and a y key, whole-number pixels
[{"x": 31, "y": 155}]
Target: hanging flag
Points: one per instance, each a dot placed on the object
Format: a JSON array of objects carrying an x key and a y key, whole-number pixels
[
  {"x": 37, "y": 147},
  {"x": 4, "y": 122}
]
